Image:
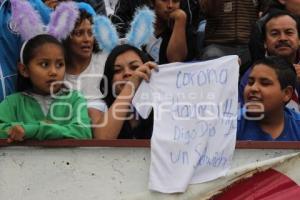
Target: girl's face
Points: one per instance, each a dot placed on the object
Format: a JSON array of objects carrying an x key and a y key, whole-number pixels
[
  {"x": 82, "y": 40},
  {"x": 163, "y": 8},
  {"x": 124, "y": 67},
  {"x": 46, "y": 69},
  {"x": 263, "y": 90}
]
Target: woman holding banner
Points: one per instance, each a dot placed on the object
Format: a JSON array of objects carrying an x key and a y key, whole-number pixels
[{"x": 125, "y": 68}]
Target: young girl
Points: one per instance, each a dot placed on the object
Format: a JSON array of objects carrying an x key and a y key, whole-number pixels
[
  {"x": 45, "y": 109},
  {"x": 172, "y": 42},
  {"x": 125, "y": 68},
  {"x": 84, "y": 63}
]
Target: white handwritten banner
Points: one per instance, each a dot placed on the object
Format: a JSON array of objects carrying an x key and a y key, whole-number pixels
[{"x": 195, "y": 116}]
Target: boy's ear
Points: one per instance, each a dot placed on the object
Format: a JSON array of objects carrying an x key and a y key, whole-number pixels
[
  {"x": 23, "y": 70},
  {"x": 288, "y": 93}
]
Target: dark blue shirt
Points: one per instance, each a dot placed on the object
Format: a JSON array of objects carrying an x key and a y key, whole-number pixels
[{"x": 250, "y": 129}]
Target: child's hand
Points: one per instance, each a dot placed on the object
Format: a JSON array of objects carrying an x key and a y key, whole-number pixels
[
  {"x": 51, "y": 3},
  {"x": 16, "y": 133},
  {"x": 177, "y": 15}
]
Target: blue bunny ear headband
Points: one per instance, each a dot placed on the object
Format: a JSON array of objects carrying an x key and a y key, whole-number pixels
[
  {"x": 29, "y": 24},
  {"x": 139, "y": 34}
]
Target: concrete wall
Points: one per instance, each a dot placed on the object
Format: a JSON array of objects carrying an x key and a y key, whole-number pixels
[{"x": 29, "y": 173}]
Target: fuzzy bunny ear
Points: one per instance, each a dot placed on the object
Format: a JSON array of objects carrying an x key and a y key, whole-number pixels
[
  {"x": 105, "y": 33},
  {"x": 63, "y": 19},
  {"x": 26, "y": 19},
  {"x": 86, "y": 7},
  {"x": 141, "y": 27}
]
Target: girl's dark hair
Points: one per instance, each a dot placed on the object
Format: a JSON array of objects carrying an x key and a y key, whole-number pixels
[
  {"x": 29, "y": 53},
  {"x": 83, "y": 15},
  {"x": 109, "y": 70},
  {"x": 284, "y": 70}
]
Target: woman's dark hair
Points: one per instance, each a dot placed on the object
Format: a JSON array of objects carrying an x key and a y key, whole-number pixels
[
  {"x": 29, "y": 53},
  {"x": 109, "y": 70},
  {"x": 284, "y": 70},
  {"x": 82, "y": 16}
]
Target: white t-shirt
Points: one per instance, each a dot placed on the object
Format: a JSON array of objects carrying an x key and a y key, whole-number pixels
[
  {"x": 110, "y": 6},
  {"x": 195, "y": 118},
  {"x": 88, "y": 82}
]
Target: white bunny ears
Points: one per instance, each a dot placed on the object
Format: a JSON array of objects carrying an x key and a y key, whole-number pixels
[
  {"x": 139, "y": 34},
  {"x": 29, "y": 23}
]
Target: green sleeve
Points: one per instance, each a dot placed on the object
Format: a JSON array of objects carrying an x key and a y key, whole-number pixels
[
  {"x": 78, "y": 127},
  {"x": 7, "y": 115}
]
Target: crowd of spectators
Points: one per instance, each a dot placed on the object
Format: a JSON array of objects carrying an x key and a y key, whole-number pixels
[{"x": 262, "y": 33}]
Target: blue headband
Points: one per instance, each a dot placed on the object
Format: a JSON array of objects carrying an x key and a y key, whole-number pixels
[{"x": 86, "y": 7}]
